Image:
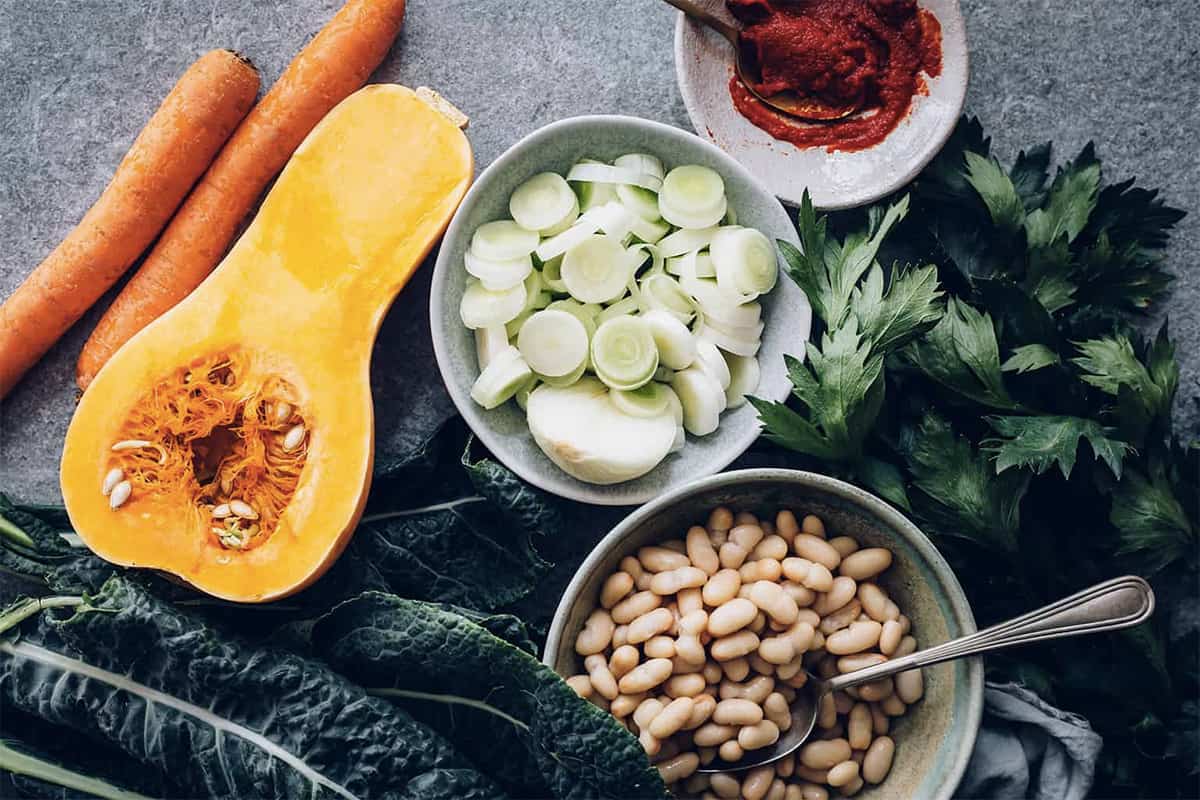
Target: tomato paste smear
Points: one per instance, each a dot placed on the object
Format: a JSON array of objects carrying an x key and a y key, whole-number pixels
[{"x": 837, "y": 51}]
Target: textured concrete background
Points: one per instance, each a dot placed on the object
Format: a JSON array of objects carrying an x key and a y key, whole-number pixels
[{"x": 82, "y": 76}]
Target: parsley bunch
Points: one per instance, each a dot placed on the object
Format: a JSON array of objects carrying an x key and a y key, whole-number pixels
[{"x": 992, "y": 383}]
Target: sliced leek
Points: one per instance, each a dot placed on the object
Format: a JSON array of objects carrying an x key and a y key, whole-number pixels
[
  {"x": 597, "y": 270},
  {"x": 544, "y": 203},
  {"x": 501, "y": 379},
  {"x": 484, "y": 308},
  {"x": 553, "y": 343},
  {"x": 692, "y": 196},
  {"x": 744, "y": 376},
  {"x": 676, "y": 344},
  {"x": 489, "y": 342},
  {"x": 498, "y": 275},
  {"x": 603, "y": 173},
  {"x": 624, "y": 354},
  {"x": 744, "y": 259},
  {"x": 703, "y": 400},
  {"x": 503, "y": 240},
  {"x": 651, "y": 400}
]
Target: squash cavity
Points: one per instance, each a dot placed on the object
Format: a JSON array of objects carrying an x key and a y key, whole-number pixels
[{"x": 221, "y": 435}]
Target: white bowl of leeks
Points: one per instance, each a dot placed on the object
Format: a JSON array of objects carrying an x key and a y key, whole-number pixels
[{"x": 783, "y": 314}]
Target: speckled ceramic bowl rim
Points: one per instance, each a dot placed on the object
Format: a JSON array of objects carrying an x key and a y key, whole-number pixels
[
  {"x": 950, "y": 596},
  {"x": 462, "y": 400},
  {"x": 895, "y": 180}
]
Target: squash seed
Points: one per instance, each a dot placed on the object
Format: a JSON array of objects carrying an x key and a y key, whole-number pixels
[
  {"x": 243, "y": 510},
  {"x": 114, "y": 476},
  {"x": 222, "y": 511},
  {"x": 294, "y": 438},
  {"x": 282, "y": 412},
  {"x": 120, "y": 494}
]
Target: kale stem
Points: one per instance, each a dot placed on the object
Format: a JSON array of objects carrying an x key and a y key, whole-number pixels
[
  {"x": 10, "y": 530},
  {"x": 451, "y": 699},
  {"x": 24, "y": 609},
  {"x": 24, "y": 764}
]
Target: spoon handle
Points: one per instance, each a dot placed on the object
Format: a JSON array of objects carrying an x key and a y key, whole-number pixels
[
  {"x": 1108, "y": 606},
  {"x": 700, "y": 14}
]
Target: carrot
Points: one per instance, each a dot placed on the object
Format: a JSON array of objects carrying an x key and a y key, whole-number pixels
[
  {"x": 166, "y": 159},
  {"x": 332, "y": 66}
]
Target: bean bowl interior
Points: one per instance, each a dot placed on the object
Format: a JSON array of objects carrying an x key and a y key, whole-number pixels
[
  {"x": 786, "y": 311},
  {"x": 935, "y": 738}
]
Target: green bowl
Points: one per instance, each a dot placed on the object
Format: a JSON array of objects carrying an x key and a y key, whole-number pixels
[{"x": 934, "y": 740}]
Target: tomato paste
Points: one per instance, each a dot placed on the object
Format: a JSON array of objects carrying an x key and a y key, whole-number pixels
[{"x": 866, "y": 53}]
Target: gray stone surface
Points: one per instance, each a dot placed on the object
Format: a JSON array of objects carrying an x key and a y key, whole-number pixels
[{"x": 82, "y": 76}]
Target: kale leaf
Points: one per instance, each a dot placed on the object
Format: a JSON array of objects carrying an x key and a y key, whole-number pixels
[{"x": 510, "y": 712}]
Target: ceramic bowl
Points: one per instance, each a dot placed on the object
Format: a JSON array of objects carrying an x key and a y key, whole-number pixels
[
  {"x": 556, "y": 147},
  {"x": 704, "y": 65},
  {"x": 935, "y": 738}
]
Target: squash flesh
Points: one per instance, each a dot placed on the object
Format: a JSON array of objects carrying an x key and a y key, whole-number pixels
[{"x": 301, "y": 296}]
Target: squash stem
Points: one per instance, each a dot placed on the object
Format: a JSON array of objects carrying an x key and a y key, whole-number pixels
[
  {"x": 10, "y": 531},
  {"x": 452, "y": 699},
  {"x": 14, "y": 761},
  {"x": 22, "y": 610}
]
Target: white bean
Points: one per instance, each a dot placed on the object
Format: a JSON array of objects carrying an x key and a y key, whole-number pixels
[
  {"x": 661, "y": 559},
  {"x": 671, "y": 581},
  {"x": 816, "y": 550},
  {"x": 878, "y": 760},
  {"x": 712, "y": 734},
  {"x": 581, "y": 684},
  {"x": 700, "y": 550},
  {"x": 678, "y": 768},
  {"x": 731, "y": 616},
  {"x": 615, "y": 588},
  {"x": 889, "y": 637},
  {"x": 646, "y": 676},
  {"x": 732, "y": 555},
  {"x": 761, "y": 734},
  {"x": 601, "y": 677},
  {"x": 867, "y": 563},
  {"x": 910, "y": 686},
  {"x": 757, "y": 783},
  {"x": 736, "y": 711},
  {"x": 858, "y": 637},
  {"x": 842, "y": 773},
  {"x": 825, "y": 753},
  {"x": 734, "y": 645},
  {"x": 635, "y": 606},
  {"x": 651, "y": 624},
  {"x": 672, "y": 718},
  {"x": 858, "y": 727}
]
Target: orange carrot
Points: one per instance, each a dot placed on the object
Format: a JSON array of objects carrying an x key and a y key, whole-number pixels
[
  {"x": 166, "y": 159},
  {"x": 332, "y": 66}
]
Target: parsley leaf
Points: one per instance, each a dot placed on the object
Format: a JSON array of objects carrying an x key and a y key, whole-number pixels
[
  {"x": 1069, "y": 203},
  {"x": 828, "y": 272},
  {"x": 1029, "y": 175},
  {"x": 997, "y": 191},
  {"x": 1144, "y": 387},
  {"x": 1030, "y": 357},
  {"x": 961, "y": 353},
  {"x": 1150, "y": 522},
  {"x": 1040, "y": 442},
  {"x": 963, "y": 495}
]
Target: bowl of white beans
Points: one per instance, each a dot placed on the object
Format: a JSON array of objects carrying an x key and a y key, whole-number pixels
[{"x": 697, "y": 620}]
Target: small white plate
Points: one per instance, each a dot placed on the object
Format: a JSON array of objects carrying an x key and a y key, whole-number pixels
[{"x": 704, "y": 65}]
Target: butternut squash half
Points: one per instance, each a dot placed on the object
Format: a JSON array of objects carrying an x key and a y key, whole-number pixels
[{"x": 230, "y": 443}]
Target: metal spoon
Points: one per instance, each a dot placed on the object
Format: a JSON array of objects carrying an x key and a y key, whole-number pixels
[
  {"x": 1109, "y": 606},
  {"x": 791, "y": 103}
]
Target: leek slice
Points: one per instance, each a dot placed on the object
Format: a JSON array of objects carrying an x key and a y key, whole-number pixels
[
  {"x": 710, "y": 361},
  {"x": 544, "y": 203},
  {"x": 703, "y": 400},
  {"x": 596, "y": 270},
  {"x": 685, "y": 241},
  {"x": 603, "y": 173},
  {"x": 483, "y": 308},
  {"x": 676, "y": 344},
  {"x": 506, "y": 373},
  {"x": 744, "y": 376},
  {"x": 651, "y": 400},
  {"x": 503, "y": 240},
  {"x": 553, "y": 343},
  {"x": 489, "y": 342},
  {"x": 624, "y": 354},
  {"x": 641, "y": 162},
  {"x": 498, "y": 275},
  {"x": 626, "y": 305},
  {"x": 744, "y": 259},
  {"x": 692, "y": 196}
]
